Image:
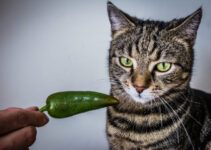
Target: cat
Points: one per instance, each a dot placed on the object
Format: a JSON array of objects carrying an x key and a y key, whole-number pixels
[{"x": 150, "y": 67}]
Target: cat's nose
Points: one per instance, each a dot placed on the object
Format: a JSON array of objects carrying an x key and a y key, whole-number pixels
[{"x": 139, "y": 89}]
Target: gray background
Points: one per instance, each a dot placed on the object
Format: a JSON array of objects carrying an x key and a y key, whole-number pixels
[{"x": 49, "y": 46}]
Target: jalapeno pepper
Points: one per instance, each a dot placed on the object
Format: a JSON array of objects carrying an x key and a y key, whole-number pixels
[{"x": 65, "y": 104}]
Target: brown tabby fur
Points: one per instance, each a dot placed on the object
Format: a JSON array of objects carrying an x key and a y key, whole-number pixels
[{"x": 178, "y": 118}]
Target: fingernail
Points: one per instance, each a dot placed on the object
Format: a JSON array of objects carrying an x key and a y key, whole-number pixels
[
  {"x": 36, "y": 108},
  {"x": 46, "y": 119}
]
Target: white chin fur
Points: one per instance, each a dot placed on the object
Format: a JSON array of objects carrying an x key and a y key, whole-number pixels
[{"x": 143, "y": 98}]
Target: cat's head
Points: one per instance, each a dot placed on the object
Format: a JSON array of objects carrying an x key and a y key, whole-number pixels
[{"x": 150, "y": 58}]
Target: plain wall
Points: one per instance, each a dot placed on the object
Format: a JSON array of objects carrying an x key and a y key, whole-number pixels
[{"x": 50, "y": 46}]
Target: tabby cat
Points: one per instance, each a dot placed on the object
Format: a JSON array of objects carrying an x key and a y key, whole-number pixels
[{"x": 150, "y": 67}]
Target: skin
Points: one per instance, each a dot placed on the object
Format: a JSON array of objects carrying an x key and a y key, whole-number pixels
[{"x": 18, "y": 127}]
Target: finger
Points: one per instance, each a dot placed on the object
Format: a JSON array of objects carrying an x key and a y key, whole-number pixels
[
  {"x": 19, "y": 139},
  {"x": 12, "y": 119},
  {"x": 33, "y": 108}
]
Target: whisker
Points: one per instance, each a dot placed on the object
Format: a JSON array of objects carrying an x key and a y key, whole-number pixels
[
  {"x": 190, "y": 115},
  {"x": 161, "y": 116},
  {"x": 186, "y": 99},
  {"x": 174, "y": 121},
  {"x": 181, "y": 123}
]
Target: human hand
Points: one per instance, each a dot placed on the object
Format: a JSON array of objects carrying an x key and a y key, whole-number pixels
[{"x": 17, "y": 127}]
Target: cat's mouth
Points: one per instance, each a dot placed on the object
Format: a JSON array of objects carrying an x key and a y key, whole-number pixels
[
  {"x": 139, "y": 95},
  {"x": 143, "y": 97}
]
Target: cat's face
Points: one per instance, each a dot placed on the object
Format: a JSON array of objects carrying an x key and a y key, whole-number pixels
[
  {"x": 148, "y": 59},
  {"x": 147, "y": 67}
]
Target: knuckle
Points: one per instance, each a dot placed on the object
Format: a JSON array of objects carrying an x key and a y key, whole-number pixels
[
  {"x": 12, "y": 109},
  {"x": 22, "y": 118},
  {"x": 33, "y": 108}
]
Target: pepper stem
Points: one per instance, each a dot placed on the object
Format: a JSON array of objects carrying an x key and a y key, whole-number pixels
[{"x": 44, "y": 108}]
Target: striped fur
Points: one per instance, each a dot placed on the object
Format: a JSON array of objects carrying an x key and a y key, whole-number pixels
[{"x": 172, "y": 116}]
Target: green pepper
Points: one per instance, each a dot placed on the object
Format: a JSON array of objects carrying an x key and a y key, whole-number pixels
[{"x": 65, "y": 104}]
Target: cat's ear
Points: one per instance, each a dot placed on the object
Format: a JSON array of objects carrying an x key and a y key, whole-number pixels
[
  {"x": 118, "y": 19},
  {"x": 187, "y": 28}
]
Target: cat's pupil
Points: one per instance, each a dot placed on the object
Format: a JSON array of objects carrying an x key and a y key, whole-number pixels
[{"x": 164, "y": 65}]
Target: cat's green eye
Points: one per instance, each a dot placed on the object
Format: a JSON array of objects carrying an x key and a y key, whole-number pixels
[
  {"x": 163, "y": 66},
  {"x": 125, "y": 62}
]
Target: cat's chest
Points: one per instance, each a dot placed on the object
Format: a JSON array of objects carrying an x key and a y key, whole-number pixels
[{"x": 142, "y": 130}]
